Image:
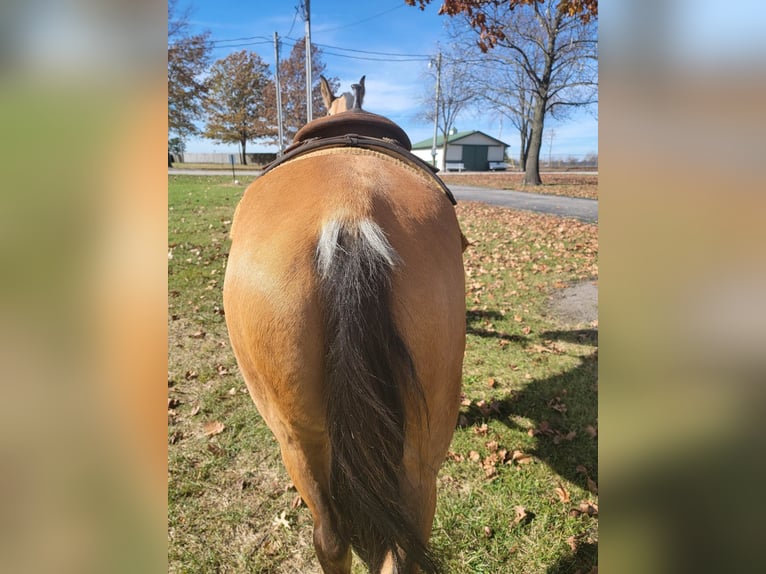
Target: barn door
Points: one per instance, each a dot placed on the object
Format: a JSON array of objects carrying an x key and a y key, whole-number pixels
[{"x": 475, "y": 157}]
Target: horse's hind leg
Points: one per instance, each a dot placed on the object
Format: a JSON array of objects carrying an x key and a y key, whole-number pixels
[{"x": 310, "y": 475}]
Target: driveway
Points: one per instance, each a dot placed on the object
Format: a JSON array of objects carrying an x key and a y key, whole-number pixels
[{"x": 583, "y": 209}]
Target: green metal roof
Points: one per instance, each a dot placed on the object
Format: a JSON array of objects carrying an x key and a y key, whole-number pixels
[{"x": 426, "y": 144}]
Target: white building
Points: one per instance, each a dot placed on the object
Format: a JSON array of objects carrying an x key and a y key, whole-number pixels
[{"x": 469, "y": 151}]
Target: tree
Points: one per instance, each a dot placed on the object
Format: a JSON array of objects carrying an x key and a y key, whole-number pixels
[
  {"x": 235, "y": 104},
  {"x": 475, "y": 11},
  {"x": 456, "y": 92},
  {"x": 176, "y": 147},
  {"x": 544, "y": 62},
  {"x": 188, "y": 58},
  {"x": 292, "y": 77}
]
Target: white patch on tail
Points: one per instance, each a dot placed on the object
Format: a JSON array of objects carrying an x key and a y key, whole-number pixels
[{"x": 373, "y": 236}]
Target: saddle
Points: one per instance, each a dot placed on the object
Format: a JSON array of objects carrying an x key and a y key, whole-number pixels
[{"x": 357, "y": 128}]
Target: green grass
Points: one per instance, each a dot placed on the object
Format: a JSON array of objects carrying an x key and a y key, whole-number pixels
[{"x": 526, "y": 429}]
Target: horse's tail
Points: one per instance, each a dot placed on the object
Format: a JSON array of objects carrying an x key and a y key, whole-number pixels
[{"x": 370, "y": 376}]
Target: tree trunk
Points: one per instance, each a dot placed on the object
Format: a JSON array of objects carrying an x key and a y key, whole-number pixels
[
  {"x": 532, "y": 171},
  {"x": 444, "y": 152},
  {"x": 243, "y": 142},
  {"x": 523, "y": 151}
]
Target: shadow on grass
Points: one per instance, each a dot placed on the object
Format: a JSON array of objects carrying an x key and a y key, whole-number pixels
[
  {"x": 558, "y": 406},
  {"x": 476, "y": 320},
  {"x": 563, "y": 410},
  {"x": 581, "y": 561}
]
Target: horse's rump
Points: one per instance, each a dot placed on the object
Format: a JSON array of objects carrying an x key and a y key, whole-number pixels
[{"x": 345, "y": 303}]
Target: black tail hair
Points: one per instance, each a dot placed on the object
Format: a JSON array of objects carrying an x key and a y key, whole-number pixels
[{"x": 370, "y": 375}]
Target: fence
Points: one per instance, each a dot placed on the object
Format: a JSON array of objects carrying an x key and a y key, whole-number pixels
[
  {"x": 563, "y": 161},
  {"x": 254, "y": 159}
]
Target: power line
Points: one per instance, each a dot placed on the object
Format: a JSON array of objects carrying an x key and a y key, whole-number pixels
[
  {"x": 369, "y": 55},
  {"x": 399, "y": 56},
  {"x": 378, "y": 15},
  {"x": 240, "y": 39}
]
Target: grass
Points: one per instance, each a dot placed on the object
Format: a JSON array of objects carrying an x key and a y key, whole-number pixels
[
  {"x": 517, "y": 491},
  {"x": 566, "y": 184}
]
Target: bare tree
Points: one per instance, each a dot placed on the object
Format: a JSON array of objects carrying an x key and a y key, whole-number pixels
[
  {"x": 544, "y": 54},
  {"x": 456, "y": 94},
  {"x": 545, "y": 63},
  {"x": 188, "y": 58}
]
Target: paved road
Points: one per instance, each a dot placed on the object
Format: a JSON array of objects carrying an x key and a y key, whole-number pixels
[{"x": 582, "y": 209}]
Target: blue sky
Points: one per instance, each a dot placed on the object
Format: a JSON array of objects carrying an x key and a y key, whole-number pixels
[{"x": 394, "y": 84}]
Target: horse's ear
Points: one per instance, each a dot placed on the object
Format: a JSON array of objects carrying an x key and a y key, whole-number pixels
[{"x": 326, "y": 90}]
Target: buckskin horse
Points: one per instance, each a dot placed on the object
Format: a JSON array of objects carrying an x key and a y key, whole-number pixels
[{"x": 344, "y": 298}]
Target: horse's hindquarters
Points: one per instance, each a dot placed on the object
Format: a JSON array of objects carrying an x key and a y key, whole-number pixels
[{"x": 289, "y": 227}]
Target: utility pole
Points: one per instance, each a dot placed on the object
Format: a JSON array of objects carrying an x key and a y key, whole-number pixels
[
  {"x": 309, "y": 106},
  {"x": 279, "y": 95},
  {"x": 436, "y": 107},
  {"x": 551, "y": 135}
]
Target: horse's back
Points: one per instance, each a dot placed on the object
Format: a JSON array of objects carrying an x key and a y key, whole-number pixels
[{"x": 271, "y": 282}]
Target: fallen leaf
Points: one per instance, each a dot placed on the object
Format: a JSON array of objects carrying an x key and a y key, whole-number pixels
[
  {"x": 521, "y": 514},
  {"x": 584, "y": 508},
  {"x": 591, "y": 431},
  {"x": 213, "y": 428},
  {"x": 297, "y": 501},
  {"x": 474, "y": 456},
  {"x": 198, "y": 334},
  {"x": 455, "y": 456},
  {"x": 520, "y": 457},
  {"x": 492, "y": 383},
  {"x": 488, "y": 533},
  {"x": 282, "y": 521},
  {"x": 195, "y": 410},
  {"x": 572, "y": 543},
  {"x": 592, "y": 486},
  {"x": 562, "y": 493},
  {"x": 481, "y": 430}
]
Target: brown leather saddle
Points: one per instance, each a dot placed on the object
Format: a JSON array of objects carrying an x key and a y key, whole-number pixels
[{"x": 357, "y": 128}]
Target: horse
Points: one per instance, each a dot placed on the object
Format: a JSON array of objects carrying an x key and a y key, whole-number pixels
[
  {"x": 344, "y": 299},
  {"x": 345, "y": 101}
]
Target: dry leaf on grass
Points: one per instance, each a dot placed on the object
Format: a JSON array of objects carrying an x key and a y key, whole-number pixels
[
  {"x": 592, "y": 486},
  {"x": 562, "y": 493},
  {"x": 520, "y": 457},
  {"x": 521, "y": 515},
  {"x": 586, "y": 508},
  {"x": 213, "y": 428}
]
